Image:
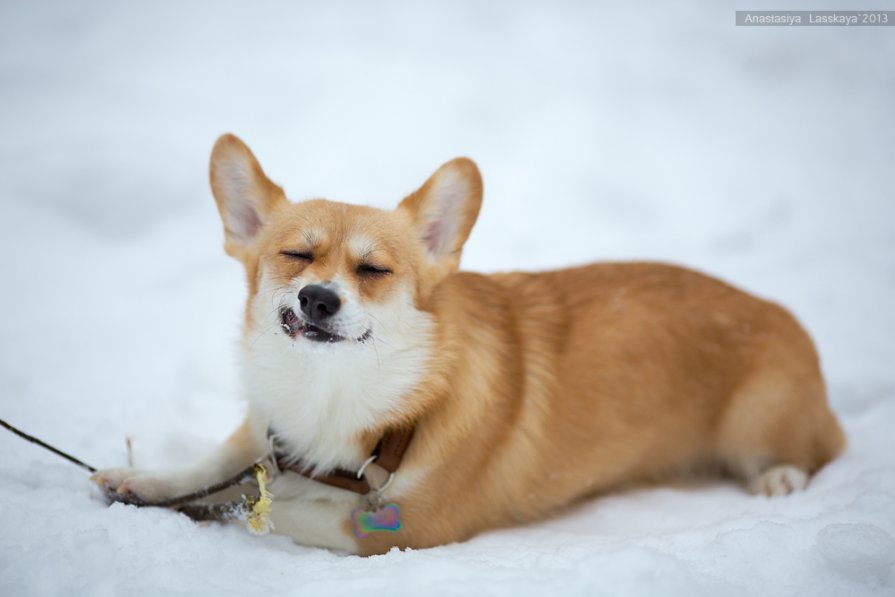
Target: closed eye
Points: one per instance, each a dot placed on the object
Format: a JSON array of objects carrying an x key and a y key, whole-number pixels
[
  {"x": 298, "y": 255},
  {"x": 369, "y": 269}
]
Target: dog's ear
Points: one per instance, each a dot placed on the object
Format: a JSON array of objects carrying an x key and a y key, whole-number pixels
[
  {"x": 245, "y": 196},
  {"x": 444, "y": 210}
]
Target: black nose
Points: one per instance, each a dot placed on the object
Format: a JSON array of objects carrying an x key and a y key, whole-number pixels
[{"x": 318, "y": 302}]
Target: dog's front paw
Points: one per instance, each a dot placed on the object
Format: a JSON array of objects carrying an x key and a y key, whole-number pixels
[
  {"x": 111, "y": 478},
  {"x": 134, "y": 487}
]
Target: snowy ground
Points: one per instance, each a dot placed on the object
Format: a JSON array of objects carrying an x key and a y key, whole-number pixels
[{"x": 763, "y": 155}]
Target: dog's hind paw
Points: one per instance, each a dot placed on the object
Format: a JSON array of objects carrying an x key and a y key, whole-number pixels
[{"x": 779, "y": 480}]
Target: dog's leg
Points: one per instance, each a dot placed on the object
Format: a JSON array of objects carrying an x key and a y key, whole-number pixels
[
  {"x": 777, "y": 429},
  {"x": 318, "y": 523},
  {"x": 239, "y": 451}
]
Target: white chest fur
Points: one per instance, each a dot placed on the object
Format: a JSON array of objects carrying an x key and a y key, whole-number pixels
[{"x": 319, "y": 397}]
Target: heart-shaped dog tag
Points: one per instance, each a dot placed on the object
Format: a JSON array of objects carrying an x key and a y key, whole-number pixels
[{"x": 386, "y": 518}]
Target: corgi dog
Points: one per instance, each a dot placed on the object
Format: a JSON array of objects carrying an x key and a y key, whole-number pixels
[{"x": 482, "y": 401}]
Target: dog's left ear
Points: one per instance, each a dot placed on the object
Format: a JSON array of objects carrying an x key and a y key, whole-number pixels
[{"x": 444, "y": 210}]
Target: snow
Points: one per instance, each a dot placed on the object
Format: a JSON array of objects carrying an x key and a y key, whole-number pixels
[
  {"x": 763, "y": 155},
  {"x": 863, "y": 552}
]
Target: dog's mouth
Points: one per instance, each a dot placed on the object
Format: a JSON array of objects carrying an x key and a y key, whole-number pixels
[{"x": 294, "y": 326}]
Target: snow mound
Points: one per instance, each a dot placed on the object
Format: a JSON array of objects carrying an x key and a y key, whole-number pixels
[{"x": 861, "y": 552}]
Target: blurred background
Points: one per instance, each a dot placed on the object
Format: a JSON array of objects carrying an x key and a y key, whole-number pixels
[{"x": 762, "y": 155}]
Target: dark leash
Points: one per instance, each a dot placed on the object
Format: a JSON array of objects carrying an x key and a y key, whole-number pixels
[
  {"x": 47, "y": 446},
  {"x": 226, "y": 511}
]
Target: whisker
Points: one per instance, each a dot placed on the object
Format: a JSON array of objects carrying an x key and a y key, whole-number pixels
[
  {"x": 376, "y": 350},
  {"x": 263, "y": 331},
  {"x": 377, "y": 336}
]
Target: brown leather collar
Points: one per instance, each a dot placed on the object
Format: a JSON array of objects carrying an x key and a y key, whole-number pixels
[{"x": 388, "y": 454}]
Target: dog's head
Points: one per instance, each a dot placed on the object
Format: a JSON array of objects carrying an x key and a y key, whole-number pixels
[{"x": 328, "y": 274}]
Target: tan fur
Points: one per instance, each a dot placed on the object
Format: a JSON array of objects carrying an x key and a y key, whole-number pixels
[
  {"x": 566, "y": 384},
  {"x": 540, "y": 389}
]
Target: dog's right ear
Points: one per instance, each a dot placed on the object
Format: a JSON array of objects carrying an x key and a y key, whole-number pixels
[{"x": 245, "y": 196}]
